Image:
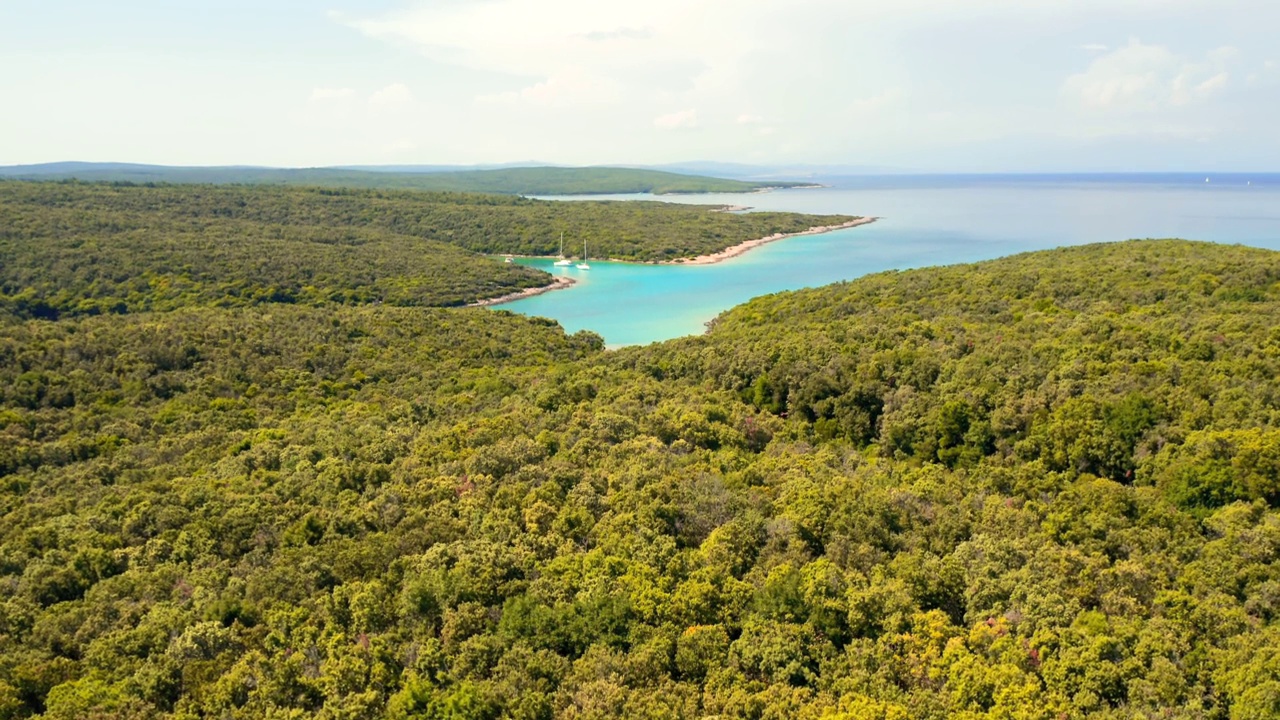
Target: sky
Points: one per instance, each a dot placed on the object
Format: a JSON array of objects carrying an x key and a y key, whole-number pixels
[{"x": 925, "y": 85}]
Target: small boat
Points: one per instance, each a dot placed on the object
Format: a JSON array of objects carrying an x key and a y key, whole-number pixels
[
  {"x": 583, "y": 265},
  {"x": 563, "y": 261},
  {"x": 509, "y": 259}
]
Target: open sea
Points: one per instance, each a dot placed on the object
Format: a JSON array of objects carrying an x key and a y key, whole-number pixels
[{"x": 925, "y": 220}]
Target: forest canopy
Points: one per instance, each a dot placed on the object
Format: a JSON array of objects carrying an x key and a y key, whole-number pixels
[{"x": 1038, "y": 487}]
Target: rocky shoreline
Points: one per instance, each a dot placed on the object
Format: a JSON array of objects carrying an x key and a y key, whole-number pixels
[{"x": 559, "y": 282}]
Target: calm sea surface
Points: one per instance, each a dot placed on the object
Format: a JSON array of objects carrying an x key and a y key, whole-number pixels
[{"x": 926, "y": 220}]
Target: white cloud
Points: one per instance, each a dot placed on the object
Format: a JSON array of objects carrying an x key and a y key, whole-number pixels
[
  {"x": 572, "y": 87},
  {"x": 878, "y": 102},
  {"x": 526, "y": 37},
  {"x": 604, "y": 51},
  {"x": 1186, "y": 90},
  {"x": 1128, "y": 78},
  {"x": 1146, "y": 78},
  {"x": 324, "y": 94},
  {"x": 394, "y": 94},
  {"x": 403, "y": 145},
  {"x": 757, "y": 124},
  {"x": 677, "y": 120},
  {"x": 620, "y": 34}
]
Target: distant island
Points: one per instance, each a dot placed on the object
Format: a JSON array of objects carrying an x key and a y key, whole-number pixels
[{"x": 503, "y": 181}]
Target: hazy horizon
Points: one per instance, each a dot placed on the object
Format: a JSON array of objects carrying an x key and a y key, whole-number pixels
[
  {"x": 707, "y": 168},
  {"x": 917, "y": 85}
]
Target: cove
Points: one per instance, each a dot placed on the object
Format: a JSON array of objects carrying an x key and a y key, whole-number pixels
[{"x": 925, "y": 220}]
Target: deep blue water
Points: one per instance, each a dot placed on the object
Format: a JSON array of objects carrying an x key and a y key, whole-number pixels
[{"x": 926, "y": 220}]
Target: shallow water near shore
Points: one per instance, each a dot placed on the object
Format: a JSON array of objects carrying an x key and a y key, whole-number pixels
[{"x": 926, "y": 220}]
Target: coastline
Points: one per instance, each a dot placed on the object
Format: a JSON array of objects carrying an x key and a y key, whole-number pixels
[
  {"x": 559, "y": 282},
  {"x": 744, "y": 247},
  {"x": 728, "y": 253}
]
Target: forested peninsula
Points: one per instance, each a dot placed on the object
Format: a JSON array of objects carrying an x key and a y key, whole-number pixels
[
  {"x": 1038, "y": 487},
  {"x": 505, "y": 181},
  {"x": 83, "y": 249}
]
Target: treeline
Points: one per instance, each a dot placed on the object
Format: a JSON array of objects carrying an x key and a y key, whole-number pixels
[
  {"x": 1033, "y": 488},
  {"x": 505, "y": 181}
]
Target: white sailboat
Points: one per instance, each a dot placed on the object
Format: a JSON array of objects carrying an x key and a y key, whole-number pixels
[
  {"x": 583, "y": 265},
  {"x": 563, "y": 261}
]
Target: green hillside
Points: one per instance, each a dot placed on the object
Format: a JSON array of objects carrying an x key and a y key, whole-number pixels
[
  {"x": 80, "y": 249},
  {"x": 507, "y": 181},
  {"x": 1038, "y": 487}
]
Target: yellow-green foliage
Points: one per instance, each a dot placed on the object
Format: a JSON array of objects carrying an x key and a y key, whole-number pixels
[{"x": 1040, "y": 487}]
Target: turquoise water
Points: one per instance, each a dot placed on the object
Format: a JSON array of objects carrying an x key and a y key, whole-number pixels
[{"x": 925, "y": 221}]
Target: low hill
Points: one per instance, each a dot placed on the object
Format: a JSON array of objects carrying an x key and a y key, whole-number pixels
[{"x": 506, "y": 181}]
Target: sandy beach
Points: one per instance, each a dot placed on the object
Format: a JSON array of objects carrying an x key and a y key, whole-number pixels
[
  {"x": 740, "y": 248},
  {"x": 559, "y": 282},
  {"x": 562, "y": 282}
]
